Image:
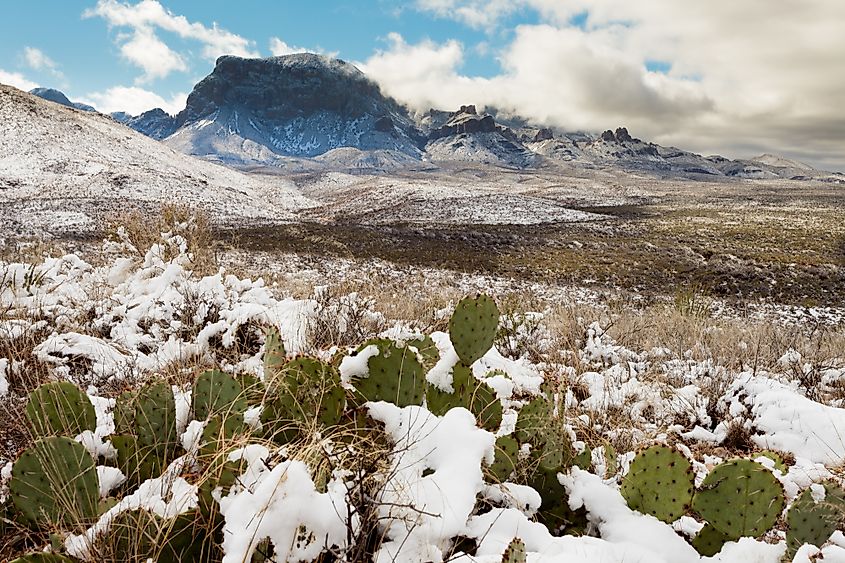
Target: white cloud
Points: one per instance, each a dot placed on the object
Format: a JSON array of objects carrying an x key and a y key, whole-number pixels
[
  {"x": 744, "y": 76},
  {"x": 144, "y": 48},
  {"x": 17, "y": 80},
  {"x": 423, "y": 75},
  {"x": 550, "y": 75},
  {"x": 134, "y": 100},
  {"x": 475, "y": 13},
  {"x": 151, "y": 54},
  {"x": 280, "y": 48}
]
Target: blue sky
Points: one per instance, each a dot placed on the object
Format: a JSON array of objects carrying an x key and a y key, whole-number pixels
[
  {"x": 87, "y": 55},
  {"x": 690, "y": 74}
]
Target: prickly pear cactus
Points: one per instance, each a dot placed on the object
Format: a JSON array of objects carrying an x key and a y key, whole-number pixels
[
  {"x": 780, "y": 464},
  {"x": 554, "y": 512},
  {"x": 515, "y": 553},
  {"x": 440, "y": 402},
  {"x": 275, "y": 356},
  {"x": 220, "y": 431},
  {"x": 145, "y": 424},
  {"x": 427, "y": 351},
  {"x": 155, "y": 418},
  {"x": 472, "y": 327},
  {"x": 709, "y": 541},
  {"x": 306, "y": 395},
  {"x": 312, "y": 391},
  {"x": 140, "y": 535},
  {"x": 255, "y": 390},
  {"x": 216, "y": 392},
  {"x": 740, "y": 498},
  {"x": 54, "y": 483},
  {"x": 554, "y": 453},
  {"x": 395, "y": 375},
  {"x": 507, "y": 456},
  {"x": 659, "y": 482},
  {"x": 813, "y": 523},
  {"x": 124, "y": 413},
  {"x": 60, "y": 409},
  {"x": 533, "y": 420},
  {"x": 486, "y": 406}
]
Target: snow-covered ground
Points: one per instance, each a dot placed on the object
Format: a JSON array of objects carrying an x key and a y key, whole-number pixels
[{"x": 138, "y": 315}]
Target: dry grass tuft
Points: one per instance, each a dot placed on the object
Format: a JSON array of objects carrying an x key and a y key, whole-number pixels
[{"x": 144, "y": 230}]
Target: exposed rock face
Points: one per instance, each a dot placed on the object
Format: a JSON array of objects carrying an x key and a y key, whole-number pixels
[
  {"x": 622, "y": 136},
  {"x": 608, "y": 136},
  {"x": 544, "y": 134},
  {"x": 296, "y": 105},
  {"x": 58, "y": 97},
  {"x": 155, "y": 123},
  {"x": 468, "y": 136}
]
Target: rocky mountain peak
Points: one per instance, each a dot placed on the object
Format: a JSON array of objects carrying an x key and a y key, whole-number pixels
[
  {"x": 300, "y": 105},
  {"x": 287, "y": 87}
]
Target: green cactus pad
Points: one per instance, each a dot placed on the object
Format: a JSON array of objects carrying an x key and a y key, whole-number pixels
[
  {"x": 139, "y": 535},
  {"x": 584, "y": 460},
  {"x": 709, "y": 541},
  {"x": 659, "y": 482},
  {"x": 216, "y": 392},
  {"x": 220, "y": 473},
  {"x": 472, "y": 327},
  {"x": 219, "y": 431},
  {"x": 307, "y": 395},
  {"x": 813, "y": 523},
  {"x": 395, "y": 375},
  {"x": 485, "y": 405},
  {"x": 507, "y": 456},
  {"x": 428, "y": 352},
  {"x": 55, "y": 483},
  {"x": 254, "y": 389},
  {"x": 515, "y": 553},
  {"x": 780, "y": 464},
  {"x": 60, "y": 409},
  {"x": 312, "y": 391},
  {"x": 740, "y": 498},
  {"x": 611, "y": 460},
  {"x": 533, "y": 420},
  {"x": 440, "y": 402},
  {"x": 554, "y": 511},
  {"x": 275, "y": 356},
  {"x": 554, "y": 453},
  {"x": 124, "y": 413},
  {"x": 155, "y": 418}
]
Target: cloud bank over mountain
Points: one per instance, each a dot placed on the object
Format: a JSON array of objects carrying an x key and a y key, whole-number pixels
[{"x": 722, "y": 75}]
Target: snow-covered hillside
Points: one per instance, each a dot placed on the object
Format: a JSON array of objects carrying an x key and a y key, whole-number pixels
[{"x": 60, "y": 166}]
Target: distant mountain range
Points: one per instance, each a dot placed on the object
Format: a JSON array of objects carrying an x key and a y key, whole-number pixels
[{"x": 313, "y": 111}]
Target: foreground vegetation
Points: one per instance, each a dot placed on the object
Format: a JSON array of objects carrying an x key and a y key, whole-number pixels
[{"x": 151, "y": 412}]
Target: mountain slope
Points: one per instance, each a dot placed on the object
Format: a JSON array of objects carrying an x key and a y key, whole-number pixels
[
  {"x": 252, "y": 111},
  {"x": 59, "y": 164},
  {"x": 58, "y": 97}
]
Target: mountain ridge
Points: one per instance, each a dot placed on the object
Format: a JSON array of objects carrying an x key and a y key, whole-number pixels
[{"x": 305, "y": 110}]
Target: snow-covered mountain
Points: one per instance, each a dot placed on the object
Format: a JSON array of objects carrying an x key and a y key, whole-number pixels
[
  {"x": 60, "y": 167},
  {"x": 155, "y": 123},
  {"x": 253, "y": 111},
  {"x": 59, "y": 97},
  {"x": 307, "y": 111},
  {"x": 468, "y": 136}
]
